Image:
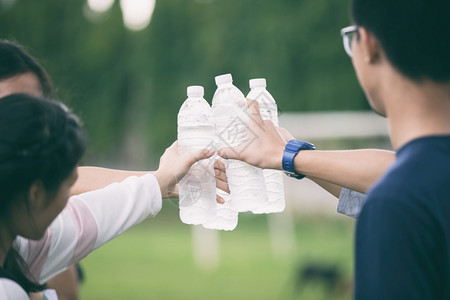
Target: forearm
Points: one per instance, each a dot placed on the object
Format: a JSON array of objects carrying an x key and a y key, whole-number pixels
[
  {"x": 357, "y": 170},
  {"x": 349, "y": 203},
  {"x": 94, "y": 178},
  {"x": 333, "y": 189}
]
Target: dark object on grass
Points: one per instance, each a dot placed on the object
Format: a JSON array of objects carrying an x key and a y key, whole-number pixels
[{"x": 327, "y": 275}]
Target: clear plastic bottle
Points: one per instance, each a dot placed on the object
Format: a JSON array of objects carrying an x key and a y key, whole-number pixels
[
  {"x": 273, "y": 178},
  {"x": 230, "y": 116},
  {"x": 197, "y": 189},
  {"x": 227, "y": 217}
]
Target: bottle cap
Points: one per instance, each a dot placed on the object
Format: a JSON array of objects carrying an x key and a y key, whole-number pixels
[
  {"x": 222, "y": 79},
  {"x": 257, "y": 82},
  {"x": 195, "y": 90}
]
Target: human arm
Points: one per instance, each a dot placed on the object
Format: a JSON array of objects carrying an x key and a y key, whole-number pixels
[
  {"x": 88, "y": 221},
  {"x": 222, "y": 181},
  {"x": 94, "y": 178},
  {"x": 66, "y": 284},
  {"x": 90, "y": 178},
  {"x": 353, "y": 169},
  {"x": 349, "y": 203},
  {"x": 92, "y": 219},
  {"x": 357, "y": 170},
  {"x": 333, "y": 189},
  {"x": 173, "y": 166}
]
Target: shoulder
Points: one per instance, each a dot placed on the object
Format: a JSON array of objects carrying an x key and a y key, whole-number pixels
[
  {"x": 398, "y": 197},
  {"x": 425, "y": 156},
  {"x": 414, "y": 189},
  {"x": 10, "y": 290},
  {"x": 419, "y": 176}
]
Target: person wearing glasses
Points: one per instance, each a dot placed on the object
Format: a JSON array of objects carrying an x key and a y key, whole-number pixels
[{"x": 400, "y": 52}]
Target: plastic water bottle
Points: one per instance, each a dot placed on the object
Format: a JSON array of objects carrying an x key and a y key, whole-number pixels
[
  {"x": 246, "y": 182},
  {"x": 197, "y": 188},
  {"x": 227, "y": 217},
  {"x": 273, "y": 178}
]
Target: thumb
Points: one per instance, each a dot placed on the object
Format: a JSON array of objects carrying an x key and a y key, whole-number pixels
[
  {"x": 230, "y": 152},
  {"x": 195, "y": 156}
]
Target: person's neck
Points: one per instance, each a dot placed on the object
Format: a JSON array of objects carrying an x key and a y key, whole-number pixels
[
  {"x": 415, "y": 110},
  {"x": 6, "y": 240}
]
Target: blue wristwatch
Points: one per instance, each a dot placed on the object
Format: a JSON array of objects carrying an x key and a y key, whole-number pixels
[{"x": 290, "y": 151}]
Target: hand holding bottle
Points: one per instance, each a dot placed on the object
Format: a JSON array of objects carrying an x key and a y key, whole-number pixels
[
  {"x": 266, "y": 150},
  {"x": 173, "y": 166},
  {"x": 221, "y": 177}
]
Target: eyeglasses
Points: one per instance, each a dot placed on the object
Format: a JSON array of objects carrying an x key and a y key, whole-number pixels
[{"x": 347, "y": 34}]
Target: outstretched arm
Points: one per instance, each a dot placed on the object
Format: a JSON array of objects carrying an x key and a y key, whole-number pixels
[
  {"x": 94, "y": 178},
  {"x": 91, "y": 219},
  {"x": 331, "y": 186},
  {"x": 353, "y": 169},
  {"x": 357, "y": 170}
]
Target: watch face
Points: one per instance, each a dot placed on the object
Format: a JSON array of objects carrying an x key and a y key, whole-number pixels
[
  {"x": 295, "y": 145},
  {"x": 307, "y": 146}
]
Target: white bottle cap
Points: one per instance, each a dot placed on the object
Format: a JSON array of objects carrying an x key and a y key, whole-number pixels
[
  {"x": 257, "y": 82},
  {"x": 195, "y": 90},
  {"x": 222, "y": 79}
]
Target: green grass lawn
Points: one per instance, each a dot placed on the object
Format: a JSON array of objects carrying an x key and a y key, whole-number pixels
[{"x": 154, "y": 260}]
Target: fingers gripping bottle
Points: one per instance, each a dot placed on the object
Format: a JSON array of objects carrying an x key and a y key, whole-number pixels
[
  {"x": 197, "y": 189},
  {"x": 227, "y": 217},
  {"x": 230, "y": 117},
  {"x": 273, "y": 178}
]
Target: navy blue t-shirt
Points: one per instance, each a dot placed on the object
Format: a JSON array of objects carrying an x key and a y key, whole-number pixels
[{"x": 403, "y": 231}]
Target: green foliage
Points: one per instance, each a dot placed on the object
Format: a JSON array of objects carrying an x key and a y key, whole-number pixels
[{"x": 115, "y": 78}]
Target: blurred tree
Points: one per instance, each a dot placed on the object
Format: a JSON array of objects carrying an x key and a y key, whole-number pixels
[{"x": 127, "y": 86}]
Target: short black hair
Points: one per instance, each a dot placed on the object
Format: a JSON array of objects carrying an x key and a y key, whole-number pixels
[
  {"x": 414, "y": 34},
  {"x": 14, "y": 60}
]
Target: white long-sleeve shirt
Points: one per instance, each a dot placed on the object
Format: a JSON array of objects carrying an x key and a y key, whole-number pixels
[{"x": 88, "y": 221}]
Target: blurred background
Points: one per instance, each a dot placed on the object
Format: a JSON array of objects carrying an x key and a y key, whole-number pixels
[{"x": 123, "y": 66}]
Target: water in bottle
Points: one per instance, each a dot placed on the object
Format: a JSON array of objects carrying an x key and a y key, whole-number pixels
[
  {"x": 227, "y": 217},
  {"x": 273, "y": 178},
  {"x": 246, "y": 182},
  {"x": 197, "y": 189}
]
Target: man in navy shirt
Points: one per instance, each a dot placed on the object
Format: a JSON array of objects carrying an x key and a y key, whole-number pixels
[
  {"x": 403, "y": 230},
  {"x": 400, "y": 50}
]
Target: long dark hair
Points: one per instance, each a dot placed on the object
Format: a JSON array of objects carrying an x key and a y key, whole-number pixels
[
  {"x": 14, "y": 60},
  {"x": 39, "y": 140}
]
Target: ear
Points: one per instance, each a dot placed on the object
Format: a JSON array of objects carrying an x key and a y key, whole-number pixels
[
  {"x": 370, "y": 46},
  {"x": 37, "y": 195}
]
